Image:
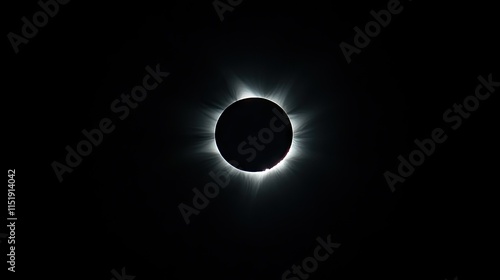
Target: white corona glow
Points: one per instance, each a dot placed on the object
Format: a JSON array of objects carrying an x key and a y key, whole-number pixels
[{"x": 207, "y": 121}]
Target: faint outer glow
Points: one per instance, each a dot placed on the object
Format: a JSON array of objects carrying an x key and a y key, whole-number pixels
[{"x": 206, "y": 130}]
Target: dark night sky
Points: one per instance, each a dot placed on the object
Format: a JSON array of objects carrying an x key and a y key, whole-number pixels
[{"x": 119, "y": 207}]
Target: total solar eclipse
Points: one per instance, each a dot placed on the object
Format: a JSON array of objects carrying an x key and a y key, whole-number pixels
[{"x": 253, "y": 134}]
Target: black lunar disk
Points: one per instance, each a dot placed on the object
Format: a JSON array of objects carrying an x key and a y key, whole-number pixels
[{"x": 253, "y": 134}]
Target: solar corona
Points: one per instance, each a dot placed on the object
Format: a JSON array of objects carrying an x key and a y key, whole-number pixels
[{"x": 255, "y": 136}]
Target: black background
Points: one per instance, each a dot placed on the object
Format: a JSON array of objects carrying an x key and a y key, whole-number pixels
[{"x": 119, "y": 207}]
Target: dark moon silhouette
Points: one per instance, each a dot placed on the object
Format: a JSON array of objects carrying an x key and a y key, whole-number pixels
[{"x": 253, "y": 134}]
